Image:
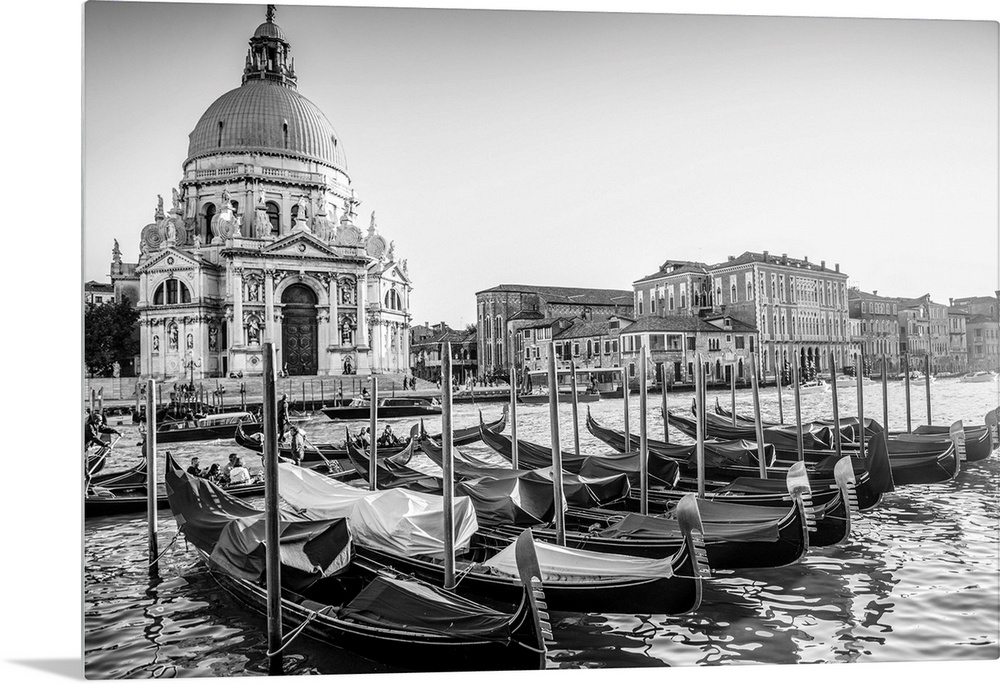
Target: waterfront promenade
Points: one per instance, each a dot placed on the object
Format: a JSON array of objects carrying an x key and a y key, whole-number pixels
[{"x": 310, "y": 389}]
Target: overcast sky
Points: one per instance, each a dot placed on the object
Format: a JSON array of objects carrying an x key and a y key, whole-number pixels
[{"x": 584, "y": 149}]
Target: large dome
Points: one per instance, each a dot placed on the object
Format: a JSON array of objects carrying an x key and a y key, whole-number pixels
[{"x": 266, "y": 116}]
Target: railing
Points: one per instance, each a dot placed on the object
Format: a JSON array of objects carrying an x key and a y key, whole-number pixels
[{"x": 270, "y": 172}]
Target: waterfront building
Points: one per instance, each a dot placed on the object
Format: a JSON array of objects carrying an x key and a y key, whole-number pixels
[
  {"x": 923, "y": 331},
  {"x": 672, "y": 344},
  {"x": 957, "y": 360},
  {"x": 792, "y": 303},
  {"x": 260, "y": 244},
  {"x": 503, "y": 311},
  {"x": 98, "y": 293},
  {"x": 982, "y": 331},
  {"x": 878, "y": 318},
  {"x": 590, "y": 344},
  {"x": 426, "y": 356}
]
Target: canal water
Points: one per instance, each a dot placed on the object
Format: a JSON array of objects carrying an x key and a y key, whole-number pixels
[{"x": 918, "y": 579}]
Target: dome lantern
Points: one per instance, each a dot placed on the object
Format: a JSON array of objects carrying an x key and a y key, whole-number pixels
[{"x": 267, "y": 57}]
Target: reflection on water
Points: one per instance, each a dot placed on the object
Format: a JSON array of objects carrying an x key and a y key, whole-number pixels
[{"x": 917, "y": 580}]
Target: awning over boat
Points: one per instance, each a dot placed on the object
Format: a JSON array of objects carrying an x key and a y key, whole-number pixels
[
  {"x": 559, "y": 563},
  {"x": 396, "y": 521},
  {"x": 403, "y": 604},
  {"x": 634, "y": 526},
  {"x": 231, "y": 533}
]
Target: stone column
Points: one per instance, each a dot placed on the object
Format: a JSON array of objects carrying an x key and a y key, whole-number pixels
[
  {"x": 334, "y": 318},
  {"x": 362, "y": 340},
  {"x": 269, "y": 305},
  {"x": 236, "y": 339}
]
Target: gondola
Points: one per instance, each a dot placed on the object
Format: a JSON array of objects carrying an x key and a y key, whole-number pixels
[
  {"x": 251, "y": 439},
  {"x": 355, "y": 604},
  {"x": 215, "y": 426},
  {"x": 104, "y": 501},
  {"x": 579, "y": 490},
  {"x": 978, "y": 444},
  {"x": 575, "y": 580},
  {"x": 388, "y": 407},
  {"x": 564, "y": 397},
  {"x": 873, "y": 477},
  {"x": 913, "y": 459},
  {"x": 731, "y": 543}
]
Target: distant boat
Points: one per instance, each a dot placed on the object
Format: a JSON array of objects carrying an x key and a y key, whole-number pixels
[
  {"x": 389, "y": 407},
  {"x": 979, "y": 376},
  {"x": 564, "y": 398},
  {"x": 813, "y": 386}
]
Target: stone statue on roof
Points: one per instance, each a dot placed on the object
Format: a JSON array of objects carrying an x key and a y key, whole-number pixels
[
  {"x": 391, "y": 255},
  {"x": 176, "y": 199},
  {"x": 116, "y": 253},
  {"x": 371, "y": 224},
  {"x": 159, "y": 207}
]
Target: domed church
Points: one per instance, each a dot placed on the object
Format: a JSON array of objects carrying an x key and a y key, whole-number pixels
[{"x": 260, "y": 244}]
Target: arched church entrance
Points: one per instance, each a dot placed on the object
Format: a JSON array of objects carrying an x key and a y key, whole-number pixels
[{"x": 300, "y": 349}]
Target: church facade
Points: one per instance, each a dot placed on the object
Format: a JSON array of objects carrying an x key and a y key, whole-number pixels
[{"x": 260, "y": 244}]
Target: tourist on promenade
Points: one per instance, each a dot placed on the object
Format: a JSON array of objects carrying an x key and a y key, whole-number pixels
[{"x": 298, "y": 444}]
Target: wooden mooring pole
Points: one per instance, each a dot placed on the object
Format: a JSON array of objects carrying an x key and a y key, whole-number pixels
[
  {"x": 271, "y": 513},
  {"x": 643, "y": 439},
  {"x": 154, "y": 551},
  {"x": 513, "y": 417},
  {"x": 447, "y": 469},
  {"x": 372, "y": 427},
  {"x": 557, "y": 484}
]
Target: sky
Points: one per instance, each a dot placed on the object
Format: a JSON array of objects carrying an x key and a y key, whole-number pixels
[{"x": 585, "y": 149}]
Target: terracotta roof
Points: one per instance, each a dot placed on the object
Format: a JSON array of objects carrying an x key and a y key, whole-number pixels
[
  {"x": 543, "y": 323},
  {"x": 676, "y": 267},
  {"x": 683, "y": 324},
  {"x": 584, "y": 329},
  {"x": 570, "y": 295},
  {"x": 776, "y": 259}
]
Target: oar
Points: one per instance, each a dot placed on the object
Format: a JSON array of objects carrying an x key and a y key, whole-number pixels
[{"x": 320, "y": 453}]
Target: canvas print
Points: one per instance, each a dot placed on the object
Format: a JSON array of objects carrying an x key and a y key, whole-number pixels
[{"x": 432, "y": 340}]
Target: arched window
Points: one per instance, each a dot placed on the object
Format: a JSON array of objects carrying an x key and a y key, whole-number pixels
[
  {"x": 732, "y": 293},
  {"x": 209, "y": 213},
  {"x": 274, "y": 217},
  {"x": 393, "y": 300},
  {"x": 172, "y": 291}
]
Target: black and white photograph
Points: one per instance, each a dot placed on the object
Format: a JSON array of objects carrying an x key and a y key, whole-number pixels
[{"x": 486, "y": 338}]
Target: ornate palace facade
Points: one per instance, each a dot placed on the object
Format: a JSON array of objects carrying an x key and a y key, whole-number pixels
[{"x": 260, "y": 244}]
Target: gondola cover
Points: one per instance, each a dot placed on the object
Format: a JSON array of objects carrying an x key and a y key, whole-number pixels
[
  {"x": 390, "y": 602},
  {"x": 396, "y": 521},
  {"x": 560, "y": 563},
  {"x": 231, "y": 533}
]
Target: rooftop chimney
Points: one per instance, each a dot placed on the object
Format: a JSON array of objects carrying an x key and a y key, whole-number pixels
[
  {"x": 822, "y": 264},
  {"x": 732, "y": 258},
  {"x": 765, "y": 255},
  {"x": 836, "y": 267},
  {"x": 874, "y": 293},
  {"x": 951, "y": 301},
  {"x": 784, "y": 257},
  {"x": 806, "y": 259}
]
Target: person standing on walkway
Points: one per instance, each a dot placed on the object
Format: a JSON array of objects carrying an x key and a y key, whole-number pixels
[{"x": 282, "y": 416}]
